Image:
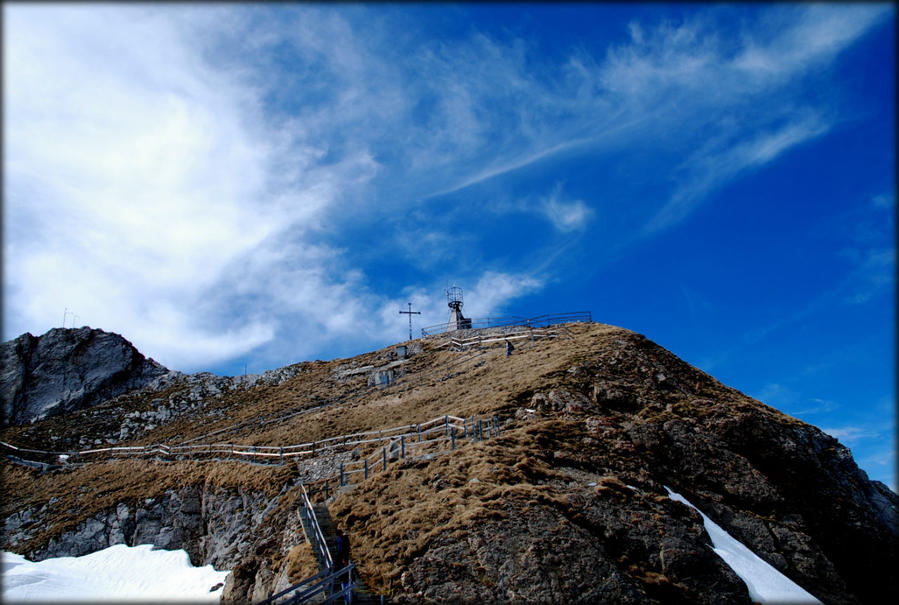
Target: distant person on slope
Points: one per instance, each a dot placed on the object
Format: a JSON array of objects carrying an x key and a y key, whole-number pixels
[
  {"x": 509, "y": 348},
  {"x": 343, "y": 549}
]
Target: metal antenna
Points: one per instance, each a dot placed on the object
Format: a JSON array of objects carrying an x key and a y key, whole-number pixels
[{"x": 410, "y": 313}]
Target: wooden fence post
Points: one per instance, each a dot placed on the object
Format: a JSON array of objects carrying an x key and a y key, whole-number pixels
[
  {"x": 446, "y": 425},
  {"x": 453, "y": 437},
  {"x": 341, "y": 475},
  {"x": 281, "y": 454},
  {"x": 384, "y": 457},
  {"x": 403, "y": 447},
  {"x": 419, "y": 433},
  {"x": 366, "y": 468}
]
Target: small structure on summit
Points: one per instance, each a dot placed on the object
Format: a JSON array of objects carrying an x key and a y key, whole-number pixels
[{"x": 454, "y": 300}]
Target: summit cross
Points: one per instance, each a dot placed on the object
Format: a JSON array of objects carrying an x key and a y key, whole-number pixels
[{"x": 410, "y": 313}]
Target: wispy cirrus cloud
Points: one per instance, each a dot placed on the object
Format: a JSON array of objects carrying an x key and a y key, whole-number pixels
[
  {"x": 722, "y": 161},
  {"x": 690, "y": 83},
  {"x": 159, "y": 196},
  {"x": 197, "y": 177}
]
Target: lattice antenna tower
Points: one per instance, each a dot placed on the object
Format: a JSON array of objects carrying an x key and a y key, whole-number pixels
[
  {"x": 457, "y": 321},
  {"x": 454, "y": 298}
]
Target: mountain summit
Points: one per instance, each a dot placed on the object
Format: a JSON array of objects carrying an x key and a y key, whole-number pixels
[
  {"x": 67, "y": 369},
  {"x": 542, "y": 475}
]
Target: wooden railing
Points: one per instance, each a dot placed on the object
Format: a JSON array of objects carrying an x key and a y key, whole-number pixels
[
  {"x": 262, "y": 453},
  {"x": 448, "y": 431},
  {"x": 314, "y": 533},
  {"x": 407, "y": 381},
  {"x": 452, "y": 433}
]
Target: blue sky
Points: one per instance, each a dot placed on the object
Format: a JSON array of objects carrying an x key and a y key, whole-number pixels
[{"x": 235, "y": 186}]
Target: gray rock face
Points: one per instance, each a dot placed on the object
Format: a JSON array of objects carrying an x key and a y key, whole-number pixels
[
  {"x": 66, "y": 370},
  {"x": 215, "y": 526}
]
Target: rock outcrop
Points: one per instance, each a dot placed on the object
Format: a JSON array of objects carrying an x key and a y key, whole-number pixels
[
  {"x": 66, "y": 370},
  {"x": 230, "y": 529}
]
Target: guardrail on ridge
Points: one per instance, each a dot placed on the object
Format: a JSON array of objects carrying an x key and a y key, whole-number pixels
[{"x": 498, "y": 322}]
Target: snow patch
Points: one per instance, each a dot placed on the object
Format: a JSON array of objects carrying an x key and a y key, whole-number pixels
[
  {"x": 118, "y": 573},
  {"x": 765, "y": 583}
]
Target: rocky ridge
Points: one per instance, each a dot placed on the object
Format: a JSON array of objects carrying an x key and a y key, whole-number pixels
[
  {"x": 66, "y": 370},
  {"x": 567, "y": 504}
]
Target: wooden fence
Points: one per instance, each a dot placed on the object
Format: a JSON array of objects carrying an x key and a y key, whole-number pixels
[
  {"x": 431, "y": 438},
  {"x": 403, "y": 436}
]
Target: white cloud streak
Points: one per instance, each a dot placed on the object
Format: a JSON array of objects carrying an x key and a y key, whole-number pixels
[{"x": 176, "y": 173}]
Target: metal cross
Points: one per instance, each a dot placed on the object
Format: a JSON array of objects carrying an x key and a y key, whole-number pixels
[{"x": 410, "y": 313}]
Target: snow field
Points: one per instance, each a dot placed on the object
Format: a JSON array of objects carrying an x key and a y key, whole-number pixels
[
  {"x": 118, "y": 573},
  {"x": 765, "y": 583}
]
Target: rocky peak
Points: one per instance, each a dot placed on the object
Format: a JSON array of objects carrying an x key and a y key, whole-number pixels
[
  {"x": 68, "y": 369},
  {"x": 568, "y": 503}
]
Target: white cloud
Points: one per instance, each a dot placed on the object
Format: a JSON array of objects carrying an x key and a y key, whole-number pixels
[
  {"x": 686, "y": 83},
  {"x": 816, "y": 34},
  {"x": 565, "y": 215},
  {"x": 721, "y": 161},
  {"x": 146, "y": 190},
  {"x": 493, "y": 290},
  {"x": 134, "y": 175},
  {"x": 851, "y": 434}
]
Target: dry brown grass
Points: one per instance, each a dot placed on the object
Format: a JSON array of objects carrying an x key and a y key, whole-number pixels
[
  {"x": 301, "y": 563},
  {"x": 392, "y": 517}
]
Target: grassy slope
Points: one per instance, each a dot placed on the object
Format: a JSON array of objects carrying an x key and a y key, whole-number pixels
[{"x": 528, "y": 470}]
